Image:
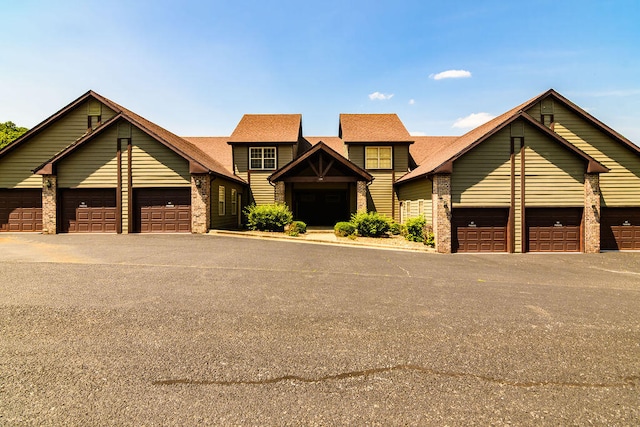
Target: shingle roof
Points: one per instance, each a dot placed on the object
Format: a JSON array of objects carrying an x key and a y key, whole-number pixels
[
  {"x": 268, "y": 128},
  {"x": 425, "y": 146},
  {"x": 373, "y": 128},
  {"x": 215, "y": 147},
  {"x": 333, "y": 142}
]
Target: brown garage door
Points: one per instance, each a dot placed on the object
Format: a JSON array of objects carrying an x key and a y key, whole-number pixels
[
  {"x": 88, "y": 210},
  {"x": 620, "y": 229},
  {"x": 480, "y": 230},
  {"x": 163, "y": 210},
  {"x": 20, "y": 210},
  {"x": 553, "y": 229}
]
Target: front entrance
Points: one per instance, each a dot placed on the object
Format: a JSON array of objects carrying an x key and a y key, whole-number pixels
[{"x": 321, "y": 207}]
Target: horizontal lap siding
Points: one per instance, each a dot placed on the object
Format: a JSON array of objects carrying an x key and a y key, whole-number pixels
[
  {"x": 356, "y": 155},
  {"x": 17, "y": 165},
  {"x": 228, "y": 220},
  {"x": 554, "y": 176},
  {"x": 381, "y": 191},
  {"x": 482, "y": 177},
  {"x": 401, "y": 159},
  {"x": 417, "y": 192},
  {"x": 93, "y": 165},
  {"x": 241, "y": 161},
  {"x": 261, "y": 189},
  {"x": 154, "y": 165},
  {"x": 285, "y": 155},
  {"x": 620, "y": 186}
]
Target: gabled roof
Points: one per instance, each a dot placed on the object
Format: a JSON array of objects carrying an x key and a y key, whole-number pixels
[
  {"x": 268, "y": 128},
  {"x": 425, "y": 146},
  {"x": 317, "y": 149},
  {"x": 199, "y": 161},
  {"x": 361, "y": 128},
  {"x": 333, "y": 142},
  {"x": 441, "y": 159},
  {"x": 215, "y": 147}
]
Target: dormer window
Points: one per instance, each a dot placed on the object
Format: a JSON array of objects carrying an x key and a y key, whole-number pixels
[
  {"x": 378, "y": 158},
  {"x": 262, "y": 158}
]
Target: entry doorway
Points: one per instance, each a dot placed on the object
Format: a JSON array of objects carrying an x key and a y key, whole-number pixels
[{"x": 321, "y": 207}]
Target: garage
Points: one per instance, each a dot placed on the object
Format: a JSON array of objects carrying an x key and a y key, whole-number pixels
[
  {"x": 620, "y": 229},
  {"x": 20, "y": 210},
  {"x": 554, "y": 229},
  {"x": 88, "y": 210},
  {"x": 480, "y": 230},
  {"x": 162, "y": 210}
]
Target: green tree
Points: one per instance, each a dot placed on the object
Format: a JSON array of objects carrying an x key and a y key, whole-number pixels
[{"x": 9, "y": 132}]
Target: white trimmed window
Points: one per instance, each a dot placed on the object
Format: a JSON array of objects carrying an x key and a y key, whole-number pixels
[
  {"x": 262, "y": 157},
  {"x": 378, "y": 158},
  {"x": 221, "y": 200},
  {"x": 234, "y": 201}
]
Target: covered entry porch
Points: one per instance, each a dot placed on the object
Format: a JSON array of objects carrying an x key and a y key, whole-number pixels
[{"x": 321, "y": 187}]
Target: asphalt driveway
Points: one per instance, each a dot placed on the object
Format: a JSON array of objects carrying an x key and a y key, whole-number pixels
[{"x": 192, "y": 329}]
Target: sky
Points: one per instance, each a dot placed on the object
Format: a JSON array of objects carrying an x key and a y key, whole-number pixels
[{"x": 195, "y": 67}]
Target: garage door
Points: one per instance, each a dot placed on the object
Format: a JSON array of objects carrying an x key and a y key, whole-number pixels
[
  {"x": 163, "y": 210},
  {"x": 480, "y": 230},
  {"x": 620, "y": 229},
  {"x": 553, "y": 230},
  {"x": 21, "y": 210},
  {"x": 88, "y": 210}
]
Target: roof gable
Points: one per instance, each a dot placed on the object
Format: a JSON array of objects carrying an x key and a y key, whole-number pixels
[
  {"x": 268, "y": 128},
  {"x": 361, "y": 128}
]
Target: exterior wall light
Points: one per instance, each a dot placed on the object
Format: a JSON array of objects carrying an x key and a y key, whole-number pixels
[
  {"x": 198, "y": 183},
  {"x": 47, "y": 183}
]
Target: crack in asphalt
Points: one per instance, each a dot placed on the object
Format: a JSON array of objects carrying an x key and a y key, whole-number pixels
[{"x": 624, "y": 382}]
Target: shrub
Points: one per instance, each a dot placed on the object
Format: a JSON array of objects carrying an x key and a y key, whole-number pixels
[
  {"x": 268, "y": 217},
  {"x": 296, "y": 228},
  {"x": 416, "y": 229},
  {"x": 396, "y": 228},
  {"x": 343, "y": 229},
  {"x": 371, "y": 224}
]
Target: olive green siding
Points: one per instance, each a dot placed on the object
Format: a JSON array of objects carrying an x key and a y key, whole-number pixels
[
  {"x": 228, "y": 220},
  {"x": 17, "y": 165},
  {"x": 241, "y": 161},
  {"x": 262, "y": 191},
  {"x": 621, "y": 185},
  {"x": 482, "y": 177},
  {"x": 356, "y": 155},
  {"x": 554, "y": 175},
  {"x": 125, "y": 188},
  {"x": 401, "y": 159},
  {"x": 382, "y": 194},
  {"x": 418, "y": 193},
  {"x": 93, "y": 165},
  {"x": 285, "y": 155},
  {"x": 517, "y": 199},
  {"x": 155, "y": 165}
]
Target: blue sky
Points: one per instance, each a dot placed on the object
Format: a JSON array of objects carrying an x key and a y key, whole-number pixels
[{"x": 195, "y": 67}]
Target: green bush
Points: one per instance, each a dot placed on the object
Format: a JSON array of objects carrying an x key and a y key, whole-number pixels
[
  {"x": 268, "y": 217},
  {"x": 344, "y": 229},
  {"x": 396, "y": 228},
  {"x": 371, "y": 224},
  {"x": 296, "y": 228},
  {"x": 416, "y": 229}
]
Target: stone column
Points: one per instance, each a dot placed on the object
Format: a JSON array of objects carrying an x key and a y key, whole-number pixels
[
  {"x": 591, "y": 213},
  {"x": 49, "y": 204},
  {"x": 200, "y": 203},
  {"x": 361, "y": 196},
  {"x": 280, "y": 192},
  {"x": 441, "y": 198}
]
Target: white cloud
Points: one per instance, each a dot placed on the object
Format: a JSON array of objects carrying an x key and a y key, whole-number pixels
[
  {"x": 472, "y": 120},
  {"x": 379, "y": 96},
  {"x": 412, "y": 101},
  {"x": 451, "y": 74},
  {"x": 417, "y": 134}
]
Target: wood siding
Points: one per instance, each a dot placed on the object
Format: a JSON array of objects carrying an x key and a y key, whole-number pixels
[
  {"x": 228, "y": 220},
  {"x": 554, "y": 176},
  {"x": 124, "y": 165},
  {"x": 93, "y": 165},
  {"x": 401, "y": 159},
  {"x": 418, "y": 193},
  {"x": 482, "y": 177},
  {"x": 619, "y": 187},
  {"x": 356, "y": 155},
  {"x": 262, "y": 191},
  {"x": 382, "y": 194},
  {"x": 285, "y": 154},
  {"x": 154, "y": 165},
  {"x": 17, "y": 165},
  {"x": 241, "y": 161}
]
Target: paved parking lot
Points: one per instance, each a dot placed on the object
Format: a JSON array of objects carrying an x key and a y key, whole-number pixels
[{"x": 191, "y": 329}]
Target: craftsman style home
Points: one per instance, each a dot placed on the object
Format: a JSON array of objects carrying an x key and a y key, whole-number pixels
[{"x": 544, "y": 176}]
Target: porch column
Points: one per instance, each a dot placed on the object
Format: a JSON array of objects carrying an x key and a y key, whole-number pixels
[
  {"x": 591, "y": 213},
  {"x": 49, "y": 204},
  {"x": 361, "y": 196},
  {"x": 200, "y": 203},
  {"x": 441, "y": 198},
  {"x": 280, "y": 192}
]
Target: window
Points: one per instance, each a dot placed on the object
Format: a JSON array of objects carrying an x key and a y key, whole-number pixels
[
  {"x": 378, "y": 158},
  {"x": 262, "y": 158},
  {"x": 221, "y": 201},
  {"x": 234, "y": 202}
]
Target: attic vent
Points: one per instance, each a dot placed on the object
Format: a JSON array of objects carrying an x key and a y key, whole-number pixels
[
  {"x": 546, "y": 106},
  {"x": 95, "y": 108},
  {"x": 124, "y": 130},
  {"x": 517, "y": 129}
]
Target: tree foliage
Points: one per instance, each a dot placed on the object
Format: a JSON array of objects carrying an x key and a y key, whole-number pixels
[{"x": 9, "y": 132}]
